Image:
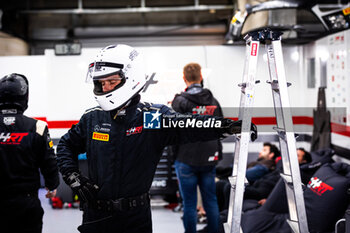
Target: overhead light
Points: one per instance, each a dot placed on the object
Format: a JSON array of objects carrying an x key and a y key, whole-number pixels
[
  {"x": 323, "y": 53},
  {"x": 295, "y": 56}
]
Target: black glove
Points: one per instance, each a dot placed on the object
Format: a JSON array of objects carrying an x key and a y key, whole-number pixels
[
  {"x": 81, "y": 185},
  {"x": 253, "y": 132},
  {"x": 235, "y": 127},
  {"x": 231, "y": 127}
]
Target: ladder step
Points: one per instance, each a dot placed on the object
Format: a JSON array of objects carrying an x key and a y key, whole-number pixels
[
  {"x": 233, "y": 179},
  {"x": 245, "y": 84},
  {"x": 287, "y": 179},
  {"x": 281, "y": 133},
  {"x": 242, "y": 84},
  {"x": 274, "y": 84},
  {"x": 279, "y": 130},
  {"x": 294, "y": 225}
]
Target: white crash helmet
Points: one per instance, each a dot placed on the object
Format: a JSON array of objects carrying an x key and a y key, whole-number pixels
[{"x": 128, "y": 64}]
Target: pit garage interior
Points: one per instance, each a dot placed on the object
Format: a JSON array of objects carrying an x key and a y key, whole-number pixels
[{"x": 53, "y": 42}]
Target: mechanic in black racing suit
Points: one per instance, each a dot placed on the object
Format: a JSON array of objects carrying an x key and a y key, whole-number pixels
[
  {"x": 123, "y": 140},
  {"x": 25, "y": 146}
]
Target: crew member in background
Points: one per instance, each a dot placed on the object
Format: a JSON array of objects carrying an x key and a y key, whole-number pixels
[
  {"x": 25, "y": 146},
  {"x": 304, "y": 157},
  {"x": 123, "y": 140},
  {"x": 265, "y": 163},
  {"x": 195, "y": 162}
]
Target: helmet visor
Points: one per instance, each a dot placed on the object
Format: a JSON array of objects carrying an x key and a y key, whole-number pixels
[
  {"x": 107, "y": 85},
  {"x": 101, "y": 70}
]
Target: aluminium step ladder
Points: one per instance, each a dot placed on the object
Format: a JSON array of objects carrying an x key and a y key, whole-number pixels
[{"x": 291, "y": 173}]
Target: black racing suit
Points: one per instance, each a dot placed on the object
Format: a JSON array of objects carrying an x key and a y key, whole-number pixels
[
  {"x": 122, "y": 158},
  {"x": 25, "y": 146}
]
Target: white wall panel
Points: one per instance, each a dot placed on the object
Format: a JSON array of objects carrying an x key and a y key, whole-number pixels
[
  {"x": 68, "y": 94},
  {"x": 58, "y": 90},
  {"x": 35, "y": 69},
  {"x": 334, "y": 50},
  {"x": 168, "y": 63},
  {"x": 62, "y": 77}
]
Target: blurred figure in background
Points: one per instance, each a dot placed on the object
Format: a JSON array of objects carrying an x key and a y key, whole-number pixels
[
  {"x": 195, "y": 162},
  {"x": 265, "y": 163},
  {"x": 303, "y": 156},
  {"x": 25, "y": 147}
]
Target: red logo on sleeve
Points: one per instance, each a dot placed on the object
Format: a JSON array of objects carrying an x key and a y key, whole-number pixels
[{"x": 12, "y": 138}]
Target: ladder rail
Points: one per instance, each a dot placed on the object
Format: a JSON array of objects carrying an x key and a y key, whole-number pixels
[
  {"x": 287, "y": 138},
  {"x": 237, "y": 180},
  {"x": 275, "y": 84},
  {"x": 233, "y": 176}
]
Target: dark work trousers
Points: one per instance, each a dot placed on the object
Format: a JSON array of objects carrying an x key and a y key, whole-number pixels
[
  {"x": 136, "y": 220},
  {"x": 21, "y": 214}
]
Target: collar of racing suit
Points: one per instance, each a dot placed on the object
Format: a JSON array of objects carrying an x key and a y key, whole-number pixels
[{"x": 120, "y": 114}]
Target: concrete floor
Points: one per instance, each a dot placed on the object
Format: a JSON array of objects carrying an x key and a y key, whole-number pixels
[{"x": 67, "y": 220}]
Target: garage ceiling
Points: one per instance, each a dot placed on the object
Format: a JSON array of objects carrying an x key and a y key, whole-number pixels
[
  {"x": 36, "y": 20},
  {"x": 43, "y": 23}
]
